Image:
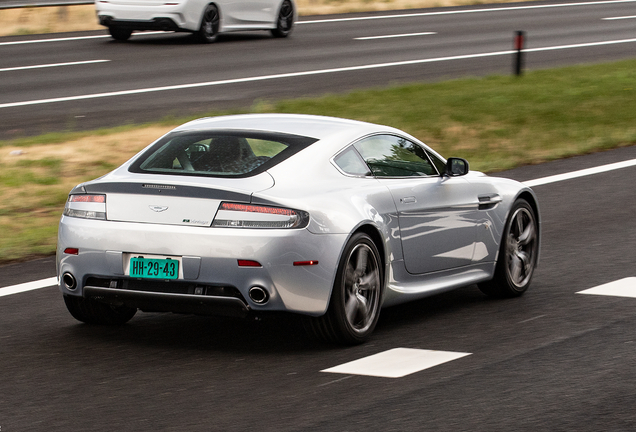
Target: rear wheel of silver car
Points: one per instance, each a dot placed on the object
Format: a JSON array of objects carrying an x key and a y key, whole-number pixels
[
  {"x": 93, "y": 312},
  {"x": 517, "y": 255},
  {"x": 354, "y": 308},
  {"x": 120, "y": 33},
  {"x": 209, "y": 24},
  {"x": 285, "y": 21}
]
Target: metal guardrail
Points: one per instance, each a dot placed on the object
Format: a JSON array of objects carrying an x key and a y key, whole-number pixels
[{"x": 42, "y": 3}]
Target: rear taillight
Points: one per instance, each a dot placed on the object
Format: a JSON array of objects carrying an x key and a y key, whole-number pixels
[
  {"x": 238, "y": 215},
  {"x": 86, "y": 206}
]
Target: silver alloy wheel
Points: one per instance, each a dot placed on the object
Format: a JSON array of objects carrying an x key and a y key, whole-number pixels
[
  {"x": 285, "y": 20},
  {"x": 362, "y": 288},
  {"x": 521, "y": 247},
  {"x": 209, "y": 24}
]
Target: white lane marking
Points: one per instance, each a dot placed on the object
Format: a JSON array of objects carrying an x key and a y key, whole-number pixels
[
  {"x": 395, "y": 36},
  {"x": 76, "y": 38},
  {"x": 52, "y": 65},
  {"x": 396, "y": 363},
  {"x": 299, "y": 74},
  {"x": 28, "y": 286},
  {"x": 467, "y": 11},
  {"x": 620, "y": 18},
  {"x": 581, "y": 173},
  {"x": 530, "y": 319},
  {"x": 620, "y": 288}
]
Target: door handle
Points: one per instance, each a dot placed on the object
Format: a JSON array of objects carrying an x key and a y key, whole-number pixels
[{"x": 408, "y": 200}]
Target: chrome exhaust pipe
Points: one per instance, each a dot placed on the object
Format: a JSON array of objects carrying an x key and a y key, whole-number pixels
[
  {"x": 69, "y": 281},
  {"x": 259, "y": 295}
]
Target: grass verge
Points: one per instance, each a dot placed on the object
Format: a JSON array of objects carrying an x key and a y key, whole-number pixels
[{"x": 496, "y": 122}]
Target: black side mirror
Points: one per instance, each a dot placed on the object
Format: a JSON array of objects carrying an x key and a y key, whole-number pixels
[{"x": 456, "y": 167}]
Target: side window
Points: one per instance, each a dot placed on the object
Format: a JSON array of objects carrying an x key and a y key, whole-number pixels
[
  {"x": 349, "y": 161},
  {"x": 439, "y": 163},
  {"x": 393, "y": 156}
]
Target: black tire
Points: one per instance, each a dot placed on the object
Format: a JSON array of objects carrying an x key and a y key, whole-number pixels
[
  {"x": 120, "y": 33},
  {"x": 210, "y": 21},
  {"x": 93, "y": 312},
  {"x": 517, "y": 254},
  {"x": 354, "y": 308},
  {"x": 285, "y": 21}
]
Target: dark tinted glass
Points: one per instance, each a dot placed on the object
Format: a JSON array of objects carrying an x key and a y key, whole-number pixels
[
  {"x": 219, "y": 153},
  {"x": 393, "y": 156}
]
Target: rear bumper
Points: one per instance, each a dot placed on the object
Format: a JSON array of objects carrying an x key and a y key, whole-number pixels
[
  {"x": 177, "y": 16},
  {"x": 164, "y": 24},
  {"x": 210, "y": 277}
]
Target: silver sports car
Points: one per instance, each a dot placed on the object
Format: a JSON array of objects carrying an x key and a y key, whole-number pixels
[{"x": 324, "y": 217}]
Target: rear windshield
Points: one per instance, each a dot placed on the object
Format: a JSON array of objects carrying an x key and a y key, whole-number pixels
[{"x": 219, "y": 153}]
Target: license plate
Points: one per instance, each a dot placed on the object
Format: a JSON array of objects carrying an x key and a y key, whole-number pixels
[{"x": 154, "y": 268}]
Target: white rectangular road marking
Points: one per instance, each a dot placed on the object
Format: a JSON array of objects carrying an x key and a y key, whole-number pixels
[
  {"x": 396, "y": 363},
  {"x": 620, "y": 288},
  {"x": 28, "y": 286}
]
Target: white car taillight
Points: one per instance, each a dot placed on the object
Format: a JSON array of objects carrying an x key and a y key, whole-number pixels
[
  {"x": 86, "y": 206},
  {"x": 237, "y": 215}
]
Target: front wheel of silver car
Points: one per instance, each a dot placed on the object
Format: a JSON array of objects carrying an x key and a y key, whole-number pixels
[
  {"x": 93, "y": 312},
  {"x": 354, "y": 308},
  {"x": 285, "y": 21},
  {"x": 517, "y": 255},
  {"x": 210, "y": 22}
]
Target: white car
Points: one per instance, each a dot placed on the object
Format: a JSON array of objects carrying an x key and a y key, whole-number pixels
[{"x": 204, "y": 18}]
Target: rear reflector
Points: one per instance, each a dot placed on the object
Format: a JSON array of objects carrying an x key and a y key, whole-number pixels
[
  {"x": 249, "y": 263},
  {"x": 71, "y": 251},
  {"x": 306, "y": 263}
]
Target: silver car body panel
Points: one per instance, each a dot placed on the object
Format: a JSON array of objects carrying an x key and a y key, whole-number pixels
[{"x": 435, "y": 233}]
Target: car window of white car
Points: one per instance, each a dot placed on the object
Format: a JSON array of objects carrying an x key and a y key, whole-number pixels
[
  {"x": 350, "y": 162},
  {"x": 394, "y": 156}
]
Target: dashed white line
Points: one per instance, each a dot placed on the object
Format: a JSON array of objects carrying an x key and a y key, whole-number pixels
[
  {"x": 396, "y": 363},
  {"x": 621, "y": 288},
  {"x": 300, "y": 74},
  {"x": 620, "y": 18},
  {"x": 51, "y": 65},
  {"x": 395, "y": 36},
  {"x": 76, "y": 38},
  {"x": 28, "y": 286}
]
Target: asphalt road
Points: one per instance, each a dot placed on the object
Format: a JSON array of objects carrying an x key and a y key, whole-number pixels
[
  {"x": 551, "y": 360},
  {"x": 46, "y": 85}
]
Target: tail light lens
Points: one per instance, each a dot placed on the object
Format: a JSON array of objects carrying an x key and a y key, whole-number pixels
[
  {"x": 237, "y": 215},
  {"x": 86, "y": 206}
]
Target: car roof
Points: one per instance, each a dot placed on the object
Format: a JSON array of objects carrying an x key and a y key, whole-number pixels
[{"x": 319, "y": 127}]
